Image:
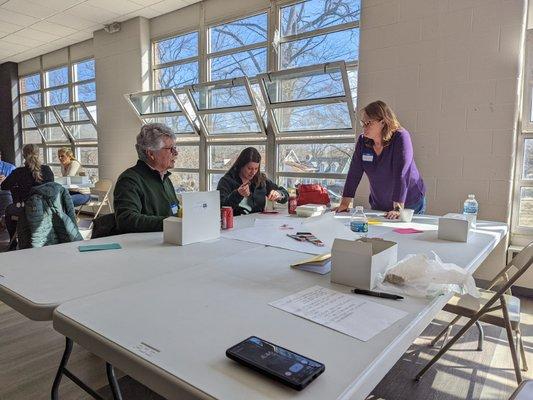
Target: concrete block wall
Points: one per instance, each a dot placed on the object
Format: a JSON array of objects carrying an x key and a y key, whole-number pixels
[
  {"x": 450, "y": 69},
  {"x": 122, "y": 66}
]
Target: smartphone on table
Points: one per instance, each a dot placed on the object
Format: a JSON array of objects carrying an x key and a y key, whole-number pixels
[{"x": 281, "y": 364}]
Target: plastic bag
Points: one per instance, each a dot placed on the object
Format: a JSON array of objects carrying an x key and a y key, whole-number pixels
[{"x": 420, "y": 276}]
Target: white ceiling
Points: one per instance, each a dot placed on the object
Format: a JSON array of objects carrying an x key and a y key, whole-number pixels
[{"x": 31, "y": 28}]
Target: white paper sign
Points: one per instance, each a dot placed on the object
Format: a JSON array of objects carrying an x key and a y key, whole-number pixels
[{"x": 353, "y": 315}]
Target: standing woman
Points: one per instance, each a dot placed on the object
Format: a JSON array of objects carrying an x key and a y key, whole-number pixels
[
  {"x": 21, "y": 181},
  {"x": 385, "y": 153},
  {"x": 72, "y": 167},
  {"x": 246, "y": 189}
]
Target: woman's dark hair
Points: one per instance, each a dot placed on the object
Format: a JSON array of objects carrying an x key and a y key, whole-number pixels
[{"x": 249, "y": 154}]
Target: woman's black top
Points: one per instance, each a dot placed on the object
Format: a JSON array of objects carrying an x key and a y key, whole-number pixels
[
  {"x": 21, "y": 181},
  {"x": 229, "y": 196}
]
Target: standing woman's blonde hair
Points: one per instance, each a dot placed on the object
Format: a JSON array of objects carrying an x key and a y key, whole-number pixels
[
  {"x": 379, "y": 111},
  {"x": 30, "y": 152}
]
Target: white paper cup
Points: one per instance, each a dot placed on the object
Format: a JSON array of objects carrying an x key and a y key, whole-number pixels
[{"x": 406, "y": 214}]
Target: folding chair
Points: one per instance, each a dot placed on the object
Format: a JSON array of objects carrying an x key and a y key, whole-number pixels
[
  {"x": 487, "y": 309},
  {"x": 99, "y": 197},
  {"x": 523, "y": 392}
]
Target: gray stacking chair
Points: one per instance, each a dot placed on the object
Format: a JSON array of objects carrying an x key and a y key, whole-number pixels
[{"x": 496, "y": 306}]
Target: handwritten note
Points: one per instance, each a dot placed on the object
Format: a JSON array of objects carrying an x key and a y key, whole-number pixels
[{"x": 353, "y": 315}]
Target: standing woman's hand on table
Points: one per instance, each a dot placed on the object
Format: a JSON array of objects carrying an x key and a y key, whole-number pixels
[{"x": 344, "y": 206}]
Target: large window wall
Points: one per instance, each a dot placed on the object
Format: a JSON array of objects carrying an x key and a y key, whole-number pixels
[
  {"x": 307, "y": 113},
  {"x": 58, "y": 109}
]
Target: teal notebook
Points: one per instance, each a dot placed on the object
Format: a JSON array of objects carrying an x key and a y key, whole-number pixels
[{"x": 98, "y": 247}]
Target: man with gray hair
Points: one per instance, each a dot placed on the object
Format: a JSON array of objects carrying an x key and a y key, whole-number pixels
[{"x": 144, "y": 195}]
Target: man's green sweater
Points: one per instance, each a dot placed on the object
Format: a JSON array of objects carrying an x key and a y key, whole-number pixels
[{"x": 142, "y": 199}]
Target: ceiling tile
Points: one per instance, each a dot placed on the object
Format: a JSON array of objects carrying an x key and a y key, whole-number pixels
[
  {"x": 15, "y": 38},
  {"x": 120, "y": 7},
  {"x": 169, "y": 5},
  {"x": 71, "y": 21},
  {"x": 62, "y": 5},
  {"x": 28, "y": 8},
  {"x": 37, "y": 35},
  {"x": 92, "y": 13},
  {"x": 146, "y": 3},
  {"x": 53, "y": 28},
  {"x": 7, "y": 46},
  {"x": 6, "y": 27},
  {"x": 16, "y": 18},
  {"x": 146, "y": 12}
]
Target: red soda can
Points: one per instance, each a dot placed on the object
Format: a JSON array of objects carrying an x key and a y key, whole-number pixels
[
  {"x": 226, "y": 217},
  {"x": 293, "y": 203}
]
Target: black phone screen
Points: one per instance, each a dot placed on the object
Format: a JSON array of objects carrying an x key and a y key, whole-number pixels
[{"x": 291, "y": 368}]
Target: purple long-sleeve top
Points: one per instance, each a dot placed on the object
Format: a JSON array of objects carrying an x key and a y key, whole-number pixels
[{"x": 393, "y": 174}]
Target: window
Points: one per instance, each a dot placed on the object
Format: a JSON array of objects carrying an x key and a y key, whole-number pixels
[
  {"x": 175, "y": 61},
  {"x": 238, "y": 48},
  {"x": 307, "y": 98},
  {"x": 522, "y": 211},
  {"x": 59, "y": 110},
  {"x": 319, "y": 31},
  {"x": 227, "y": 108}
]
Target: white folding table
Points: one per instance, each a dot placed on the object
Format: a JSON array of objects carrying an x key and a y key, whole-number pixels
[{"x": 174, "y": 330}]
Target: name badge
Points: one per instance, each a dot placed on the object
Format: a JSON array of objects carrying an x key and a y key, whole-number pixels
[
  {"x": 174, "y": 208},
  {"x": 368, "y": 157}
]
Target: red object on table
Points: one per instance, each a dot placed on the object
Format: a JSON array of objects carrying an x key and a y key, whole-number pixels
[
  {"x": 226, "y": 217},
  {"x": 312, "y": 193}
]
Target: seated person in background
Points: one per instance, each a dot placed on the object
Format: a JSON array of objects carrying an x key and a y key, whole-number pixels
[
  {"x": 5, "y": 195},
  {"x": 21, "y": 181},
  {"x": 245, "y": 189},
  {"x": 72, "y": 167},
  {"x": 144, "y": 195}
]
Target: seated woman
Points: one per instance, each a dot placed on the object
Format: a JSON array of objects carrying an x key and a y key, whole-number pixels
[
  {"x": 245, "y": 189},
  {"x": 72, "y": 167},
  {"x": 21, "y": 181}
]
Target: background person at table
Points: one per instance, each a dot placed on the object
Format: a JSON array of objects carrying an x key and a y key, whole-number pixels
[
  {"x": 72, "y": 167},
  {"x": 385, "y": 153},
  {"x": 21, "y": 181},
  {"x": 246, "y": 189},
  {"x": 5, "y": 195},
  {"x": 144, "y": 195}
]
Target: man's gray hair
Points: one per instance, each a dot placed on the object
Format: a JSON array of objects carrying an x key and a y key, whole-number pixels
[{"x": 151, "y": 138}]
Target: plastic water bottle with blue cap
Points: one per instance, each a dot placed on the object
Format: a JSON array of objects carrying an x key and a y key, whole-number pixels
[
  {"x": 359, "y": 222},
  {"x": 471, "y": 208}
]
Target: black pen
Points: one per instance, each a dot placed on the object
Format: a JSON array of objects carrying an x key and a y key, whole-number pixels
[{"x": 377, "y": 294}]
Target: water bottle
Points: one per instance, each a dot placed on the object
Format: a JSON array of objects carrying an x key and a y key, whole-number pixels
[
  {"x": 470, "y": 209},
  {"x": 359, "y": 222}
]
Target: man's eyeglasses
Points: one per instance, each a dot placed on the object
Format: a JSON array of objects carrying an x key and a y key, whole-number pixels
[
  {"x": 366, "y": 124},
  {"x": 172, "y": 149}
]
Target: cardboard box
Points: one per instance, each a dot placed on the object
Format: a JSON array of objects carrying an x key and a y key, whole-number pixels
[
  {"x": 454, "y": 227},
  {"x": 172, "y": 231},
  {"x": 357, "y": 263},
  {"x": 200, "y": 219}
]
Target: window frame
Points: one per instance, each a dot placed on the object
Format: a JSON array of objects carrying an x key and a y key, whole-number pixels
[
  {"x": 181, "y": 61},
  {"x": 209, "y": 55},
  {"x": 270, "y": 140},
  {"x": 54, "y": 110},
  {"x": 521, "y": 235}
]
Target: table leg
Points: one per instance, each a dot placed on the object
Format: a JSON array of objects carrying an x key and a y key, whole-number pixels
[
  {"x": 113, "y": 384},
  {"x": 62, "y": 366}
]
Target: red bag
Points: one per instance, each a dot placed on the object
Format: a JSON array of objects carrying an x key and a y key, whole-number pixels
[{"x": 312, "y": 193}]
